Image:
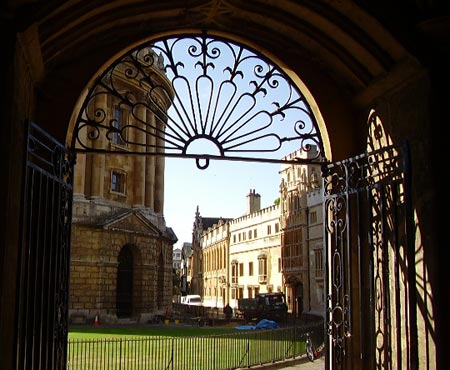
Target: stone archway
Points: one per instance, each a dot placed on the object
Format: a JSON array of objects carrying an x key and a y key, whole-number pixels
[
  {"x": 364, "y": 85},
  {"x": 250, "y": 108}
]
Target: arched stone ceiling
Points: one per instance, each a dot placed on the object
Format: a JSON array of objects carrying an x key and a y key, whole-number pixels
[{"x": 336, "y": 35}]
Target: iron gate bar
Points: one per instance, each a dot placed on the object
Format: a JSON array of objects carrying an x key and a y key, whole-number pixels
[
  {"x": 207, "y": 157},
  {"x": 196, "y": 87},
  {"x": 410, "y": 252},
  {"x": 397, "y": 277}
]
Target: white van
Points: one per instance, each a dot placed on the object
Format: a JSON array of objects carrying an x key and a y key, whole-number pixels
[{"x": 192, "y": 299}]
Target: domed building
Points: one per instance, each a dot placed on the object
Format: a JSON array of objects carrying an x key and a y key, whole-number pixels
[{"x": 121, "y": 252}]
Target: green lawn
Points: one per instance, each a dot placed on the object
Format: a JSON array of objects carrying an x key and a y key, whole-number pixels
[
  {"x": 177, "y": 347},
  {"x": 101, "y": 332}
]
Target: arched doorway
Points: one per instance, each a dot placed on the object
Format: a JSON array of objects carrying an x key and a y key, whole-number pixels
[{"x": 125, "y": 274}]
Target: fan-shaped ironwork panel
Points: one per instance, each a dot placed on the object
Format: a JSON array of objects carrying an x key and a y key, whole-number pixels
[{"x": 201, "y": 97}]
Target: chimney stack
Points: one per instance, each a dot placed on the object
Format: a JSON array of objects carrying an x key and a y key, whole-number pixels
[{"x": 253, "y": 202}]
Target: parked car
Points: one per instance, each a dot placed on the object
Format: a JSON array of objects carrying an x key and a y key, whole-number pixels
[
  {"x": 192, "y": 300},
  {"x": 264, "y": 306}
]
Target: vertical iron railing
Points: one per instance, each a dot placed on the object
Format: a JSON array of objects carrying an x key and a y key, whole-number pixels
[{"x": 226, "y": 351}]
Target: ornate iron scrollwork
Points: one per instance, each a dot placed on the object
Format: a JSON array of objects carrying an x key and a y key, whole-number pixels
[
  {"x": 179, "y": 92},
  {"x": 367, "y": 216}
]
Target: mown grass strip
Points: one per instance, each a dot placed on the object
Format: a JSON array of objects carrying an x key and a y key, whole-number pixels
[
  {"x": 88, "y": 332},
  {"x": 157, "y": 348}
]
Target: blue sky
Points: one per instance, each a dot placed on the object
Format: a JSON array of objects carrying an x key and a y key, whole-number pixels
[
  {"x": 219, "y": 191},
  {"x": 242, "y": 105}
]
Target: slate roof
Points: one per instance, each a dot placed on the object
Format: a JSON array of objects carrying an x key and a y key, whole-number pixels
[{"x": 207, "y": 222}]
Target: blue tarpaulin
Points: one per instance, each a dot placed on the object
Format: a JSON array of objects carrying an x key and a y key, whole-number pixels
[{"x": 263, "y": 324}]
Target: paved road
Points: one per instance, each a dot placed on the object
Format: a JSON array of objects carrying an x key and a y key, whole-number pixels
[
  {"x": 300, "y": 364},
  {"x": 318, "y": 364}
]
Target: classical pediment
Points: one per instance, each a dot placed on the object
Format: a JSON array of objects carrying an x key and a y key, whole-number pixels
[{"x": 132, "y": 221}]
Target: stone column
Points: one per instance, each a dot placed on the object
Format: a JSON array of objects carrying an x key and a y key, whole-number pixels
[
  {"x": 79, "y": 188},
  {"x": 139, "y": 161},
  {"x": 97, "y": 175},
  {"x": 150, "y": 165},
  {"x": 159, "y": 172},
  {"x": 80, "y": 176}
]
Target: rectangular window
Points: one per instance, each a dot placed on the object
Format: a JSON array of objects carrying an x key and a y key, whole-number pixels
[
  {"x": 262, "y": 269},
  {"x": 249, "y": 292},
  {"x": 234, "y": 273},
  {"x": 240, "y": 293},
  {"x": 313, "y": 217},
  {"x": 277, "y": 227},
  {"x": 250, "y": 234},
  {"x": 269, "y": 229},
  {"x": 250, "y": 269},
  {"x": 118, "y": 182},
  {"x": 318, "y": 262},
  {"x": 241, "y": 269},
  {"x": 255, "y": 234},
  {"x": 119, "y": 122}
]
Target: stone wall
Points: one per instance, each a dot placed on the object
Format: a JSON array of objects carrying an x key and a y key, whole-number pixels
[{"x": 94, "y": 267}]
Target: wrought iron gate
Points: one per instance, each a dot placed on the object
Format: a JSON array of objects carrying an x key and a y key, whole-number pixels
[
  {"x": 371, "y": 302},
  {"x": 45, "y": 254}
]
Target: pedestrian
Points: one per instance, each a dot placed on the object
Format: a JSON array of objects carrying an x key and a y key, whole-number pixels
[{"x": 228, "y": 311}]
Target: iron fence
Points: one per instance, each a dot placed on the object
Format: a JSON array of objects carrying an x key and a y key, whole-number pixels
[{"x": 228, "y": 351}]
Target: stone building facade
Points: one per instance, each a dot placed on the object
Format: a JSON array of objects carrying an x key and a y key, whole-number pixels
[
  {"x": 276, "y": 248},
  {"x": 316, "y": 303},
  {"x": 195, "y": 261},
  {"x": 255, "y": 253},
  {"x": 297, "y": 181},
  {"x": 121, "y": 253},
  {"x": 216, "y": 264}
]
